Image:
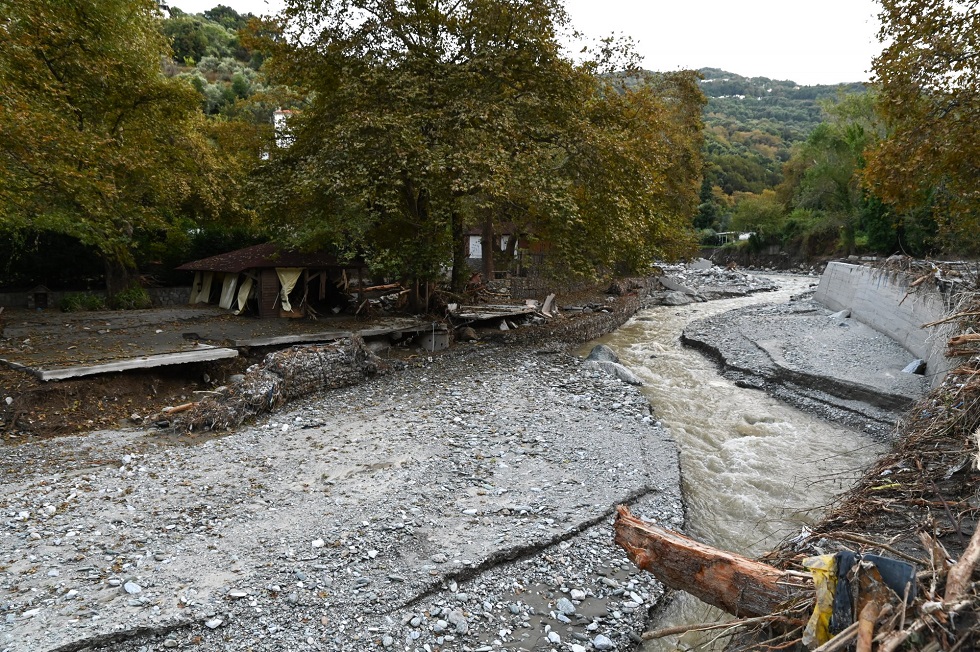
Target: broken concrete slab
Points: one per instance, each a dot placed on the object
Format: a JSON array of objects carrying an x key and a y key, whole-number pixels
[
  {"x": 676, "y": 299},
  {"x": 548, "y": 306},
  {"x": 201, "y": 353},
  {"x": 674, "y": 285}
]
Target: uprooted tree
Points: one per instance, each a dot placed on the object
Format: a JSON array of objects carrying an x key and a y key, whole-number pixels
[{"x": 427, "y": 118}]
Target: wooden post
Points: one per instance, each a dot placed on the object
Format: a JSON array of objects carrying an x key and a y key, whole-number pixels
[{"x": 741, "y": 586}]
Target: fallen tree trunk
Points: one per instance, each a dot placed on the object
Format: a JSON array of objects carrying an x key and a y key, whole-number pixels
[{"x": 741, "y": 586}]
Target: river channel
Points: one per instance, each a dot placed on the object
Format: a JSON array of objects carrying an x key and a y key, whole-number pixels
[{"x": 754, "y": 470}]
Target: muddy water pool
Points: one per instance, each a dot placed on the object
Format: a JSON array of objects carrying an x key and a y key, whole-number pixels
[{"x": 754, "y": 469}]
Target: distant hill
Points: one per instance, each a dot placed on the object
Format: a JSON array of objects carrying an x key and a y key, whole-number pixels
[{"x": 752, "y": 123}]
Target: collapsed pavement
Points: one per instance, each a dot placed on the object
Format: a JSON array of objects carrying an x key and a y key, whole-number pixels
[{"x": 817, "y": 360}]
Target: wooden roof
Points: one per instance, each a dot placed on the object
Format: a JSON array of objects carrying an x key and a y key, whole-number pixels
[{"x": 265, "y": 256}]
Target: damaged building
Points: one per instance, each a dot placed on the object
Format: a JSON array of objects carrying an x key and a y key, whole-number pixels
[{"x": 268, "y": 281}]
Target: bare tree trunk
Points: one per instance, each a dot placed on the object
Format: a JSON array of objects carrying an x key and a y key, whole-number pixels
[
  {"x": 118, "y": 276},
  {"x": 460, "y": 272},
  {"x": 741, "y": 586},
  {"x": 489, "y": 247}
]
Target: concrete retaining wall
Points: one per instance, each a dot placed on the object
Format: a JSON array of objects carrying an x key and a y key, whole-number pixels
[{"x": 878, "y": 298}]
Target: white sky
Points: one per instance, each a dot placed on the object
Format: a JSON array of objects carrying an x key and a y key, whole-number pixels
[{"x": 826, "y": 42}]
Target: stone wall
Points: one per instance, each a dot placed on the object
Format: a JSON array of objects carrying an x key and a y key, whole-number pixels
[
  {"x": 168, "y": 297},
  {"x": 882, "y": 299}
]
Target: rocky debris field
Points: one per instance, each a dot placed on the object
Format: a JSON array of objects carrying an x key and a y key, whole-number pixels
[
  {"x": 464, "y": 503},
  {"x": 680, "y": 285},
  {"x": 819, "y": 361}
]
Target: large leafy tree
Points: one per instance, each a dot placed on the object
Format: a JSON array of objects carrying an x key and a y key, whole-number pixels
[
  {"x": 929, "y": 78},
  {"x": 427, "y": 117},
  {"x": 96, "y": 143}
]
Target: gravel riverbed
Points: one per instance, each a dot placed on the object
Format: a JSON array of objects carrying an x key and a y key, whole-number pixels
[{"x": 464, "y": 503}]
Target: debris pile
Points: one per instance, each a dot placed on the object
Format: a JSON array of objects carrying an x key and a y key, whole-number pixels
[
  {"x": 282, "y": 376},
  {"x": 683, "y": 284}
]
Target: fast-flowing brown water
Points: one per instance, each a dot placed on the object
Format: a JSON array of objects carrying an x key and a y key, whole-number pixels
[{"x": 754, "y": 470}]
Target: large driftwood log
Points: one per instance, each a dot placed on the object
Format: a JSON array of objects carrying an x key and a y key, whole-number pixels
[{"x": 739, "y": 585}]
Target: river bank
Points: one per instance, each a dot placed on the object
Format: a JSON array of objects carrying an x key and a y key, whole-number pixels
[{"x": 461, "y": 504}]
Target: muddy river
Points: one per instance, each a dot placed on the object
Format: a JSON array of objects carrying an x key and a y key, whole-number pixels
[{"x": 755, "y": 470}]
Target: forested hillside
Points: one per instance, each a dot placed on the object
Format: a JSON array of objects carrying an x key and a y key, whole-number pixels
[{"x": 751, "y": 127}]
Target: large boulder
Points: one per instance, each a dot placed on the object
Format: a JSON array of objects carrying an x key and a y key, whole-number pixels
[
  {"x": 676, "y": 299},
  {"x": 602, "y": 352}
]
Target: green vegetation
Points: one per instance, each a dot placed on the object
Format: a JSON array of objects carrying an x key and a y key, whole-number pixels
[
  {"x": 78, "y": 301},
  {"x": 427, "y": 120},
  {"x": 928, "y": 163},
  {"x": 137, "y": 141},
  {"x": 132, "y": 298}
]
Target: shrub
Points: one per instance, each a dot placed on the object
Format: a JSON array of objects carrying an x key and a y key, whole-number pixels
[
  {"x": 132, "y": 298},
  {"x": 76, "y": 301}
]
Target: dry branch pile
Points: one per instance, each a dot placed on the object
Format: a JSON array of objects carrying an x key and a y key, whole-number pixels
[{"x": 282, "y": 376}]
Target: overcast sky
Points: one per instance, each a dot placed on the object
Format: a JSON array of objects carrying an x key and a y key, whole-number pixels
[{"x": 825, "y": 42}]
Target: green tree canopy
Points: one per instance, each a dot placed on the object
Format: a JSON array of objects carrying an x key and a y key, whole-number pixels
[
  {"x": 427, "y": 117},
  {"x": 929, "y": 78},
  {"x": 95, "y": 142}
]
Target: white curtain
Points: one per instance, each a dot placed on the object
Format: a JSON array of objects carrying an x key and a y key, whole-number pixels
[
  {"x": 243, "y": 291},
  {"x": 194, "y": 291},
  {"x": 228, "y": 291},
  {"x": 204, "y": 292},
  {"x": 287, "y": 277}
]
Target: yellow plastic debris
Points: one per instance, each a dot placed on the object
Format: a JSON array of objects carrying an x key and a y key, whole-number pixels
[{"x": 824, "y": 571}]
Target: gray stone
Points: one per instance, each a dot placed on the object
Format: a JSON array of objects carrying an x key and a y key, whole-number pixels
[
  {"x": 917, "y": 366},
  {"x": 602, "y": 642},
  {"x": 132, "y": 588},
  {"x": 214, "y": 623},
  {"x": 457, "y": 618},
  {"x": 554, "y": 638},
  {"x": 602, "y": 352},
  {"x": 676, "y": 299},
  {"x": 565, "y": 606},
  {"x": 700, "y": 264},
  {"x": 841, "y": 314}
]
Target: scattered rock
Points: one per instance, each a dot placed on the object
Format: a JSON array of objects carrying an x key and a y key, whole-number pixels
[
  {"x": 917, "y": 366},
  {"x": 601, "y": 352}
]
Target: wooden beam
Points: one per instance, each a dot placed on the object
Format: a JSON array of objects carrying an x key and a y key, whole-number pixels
[{"x": 741, "y": 586}]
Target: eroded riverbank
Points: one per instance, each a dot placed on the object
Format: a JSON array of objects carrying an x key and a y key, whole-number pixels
[{"x": 464, "y": 503}]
